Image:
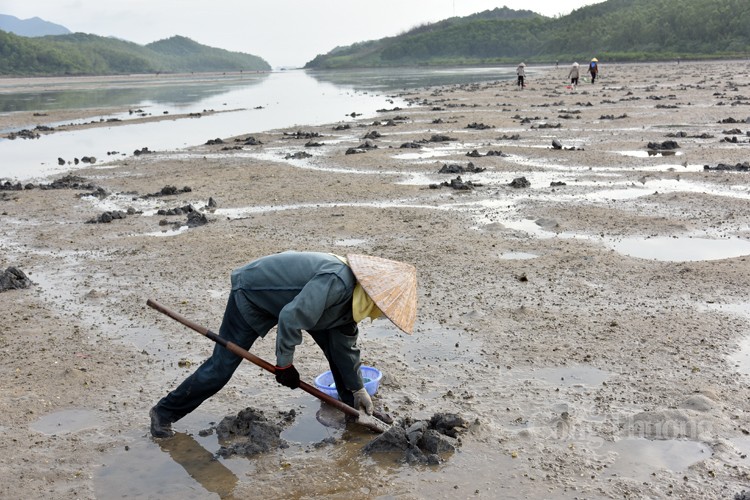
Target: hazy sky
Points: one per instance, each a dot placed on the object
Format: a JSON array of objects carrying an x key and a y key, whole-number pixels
[{"x": 283, "y": 32}]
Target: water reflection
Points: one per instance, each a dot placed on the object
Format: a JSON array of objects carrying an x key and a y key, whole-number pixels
[
  {"x": 259, "y": 102},
  {"x": 389, "y": 79},
  {"x": 154, "y": 90},
  {"x": 279, "y": 100},
  {"x": 200, "y": 464}
]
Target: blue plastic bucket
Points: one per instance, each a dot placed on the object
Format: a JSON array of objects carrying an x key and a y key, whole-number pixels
[{"x": 371, "y": 377}]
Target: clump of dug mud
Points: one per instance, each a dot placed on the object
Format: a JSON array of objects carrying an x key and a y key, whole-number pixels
[
  {"x": 421, "y": 441},
  {"x": 250, "y": 433},
  {"x": 13, "y": 278}
]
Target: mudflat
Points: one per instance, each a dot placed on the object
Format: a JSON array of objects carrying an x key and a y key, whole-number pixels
[{"x": 582, "y": 294}]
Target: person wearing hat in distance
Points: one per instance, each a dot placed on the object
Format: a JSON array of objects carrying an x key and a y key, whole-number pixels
[
  {"x": 521, "y": 74},
  {"x": 594, "y": 68},
  {"x": 323, "y": 294},
  {"x": 573, "y": 74}
]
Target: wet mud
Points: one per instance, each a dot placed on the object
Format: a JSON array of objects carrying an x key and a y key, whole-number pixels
[
  {"x": 627, "y": 267},
  {"x": 421, "y": 441},
  {"x": 251, "y": 433},
  {"x": 13, "y": 279}
]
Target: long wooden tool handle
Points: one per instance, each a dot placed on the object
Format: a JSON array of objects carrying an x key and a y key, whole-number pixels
[{"x": 239, "y": 351}]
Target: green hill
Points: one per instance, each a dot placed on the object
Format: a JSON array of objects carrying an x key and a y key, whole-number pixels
[
  {"x": 633, "y": 30},
  {"x": 84, "y": 54}
]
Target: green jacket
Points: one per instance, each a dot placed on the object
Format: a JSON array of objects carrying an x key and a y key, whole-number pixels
[{"x": 296, "y": 291}]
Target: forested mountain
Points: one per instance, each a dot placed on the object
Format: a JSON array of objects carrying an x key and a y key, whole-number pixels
[
  {"x": 84, "y": 54},
  {"x": 634, "y": 30},
  {"x": 31, "y": 27}
]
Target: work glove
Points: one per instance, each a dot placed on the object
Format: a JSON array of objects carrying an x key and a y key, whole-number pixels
[
  {"x": 362, "y": 401},
  {"x": 287, "y": 376}
]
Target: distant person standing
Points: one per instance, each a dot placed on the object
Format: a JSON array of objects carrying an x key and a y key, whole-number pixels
[
  {"x": 521, "y": 73},
  {"x": 573, "y": 74},
  {"x": 594, "y": 68}
]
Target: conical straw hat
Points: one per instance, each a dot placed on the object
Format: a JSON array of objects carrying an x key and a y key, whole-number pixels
[{"x": 392, "y": 285}]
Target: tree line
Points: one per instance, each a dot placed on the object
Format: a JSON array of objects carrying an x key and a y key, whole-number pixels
[
  {"x": 85, "y": 54},
  {"x": 624, "y": 30}
]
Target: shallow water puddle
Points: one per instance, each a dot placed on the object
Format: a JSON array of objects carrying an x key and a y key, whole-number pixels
[
  {"x": 445, "y": 346},
  {"x": 681, "y": 249},
  {"x": 436, "y": 152},
  {"x": 169, "y": 231},
  {"x": 180, "y": 467},
  {"x": 743, "y": 446},
  {"x": 517, "y": 256},
  {"x": 350, "y": 242},
  {"x": 431, "y": 342},
  {"x": 638, "y": 458},
  {"x": 650, "y": 153},
  {"x": 740, "y": 359},
  {"x": 186, "y": 465},
  {"x": 66, "y": 422},
  {"x": 313, "y": 423}
]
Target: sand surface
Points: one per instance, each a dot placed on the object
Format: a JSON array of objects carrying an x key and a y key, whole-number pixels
[{"x": 590, "y": 369}]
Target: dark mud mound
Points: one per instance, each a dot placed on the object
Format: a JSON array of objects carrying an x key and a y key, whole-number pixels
[
  {"x": 421, "y": 441},
  {"x": 453, "y": 168},
  {"x": 168, "y": 191},
  {"x": 251, "y": 433},
  {"x": 458, "y": 184},
  {"x": 520, "y": 183},
  {"x": 66, "y": 182},
  {"x": 722, "y": 167},
  {"x": 13, "y": 278}
]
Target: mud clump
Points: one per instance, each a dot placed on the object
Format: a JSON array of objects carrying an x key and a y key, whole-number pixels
[
  {"x": 479, "y": 126},
  {"x": 23, "y": 134},
  {"x": 168, "y": 191},
  {"x": 107, "y": 217},
  {"x": 66, "y": 182},
  {"x": 421, "y": 441},
  {"x": 457, "y": 184},
  {"x": 185, "y": 209},
  {"x": 299, "y": 134},
  {"x": 520, "y": 183},
  {"x": 300, "y": 155},
  {"x": 721, "y": 167},
  {"x": 250, "y": 433},
  {"x": 658, "y": 146},
  {"x": 454, "y": 168},
  {"x": 195, "y": 219},
  {"x": 476, "y": 154},
  {"x": 441, "y": 138},
  {"x": 13, "y": 278}
]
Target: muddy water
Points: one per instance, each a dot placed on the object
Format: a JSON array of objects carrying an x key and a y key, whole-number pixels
[
  {"x": 682, "y": 249},
  {"x": 640, "y": 458},
  {"x": 67, "y": 422},
  {"x": 181, "y": 467}
]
